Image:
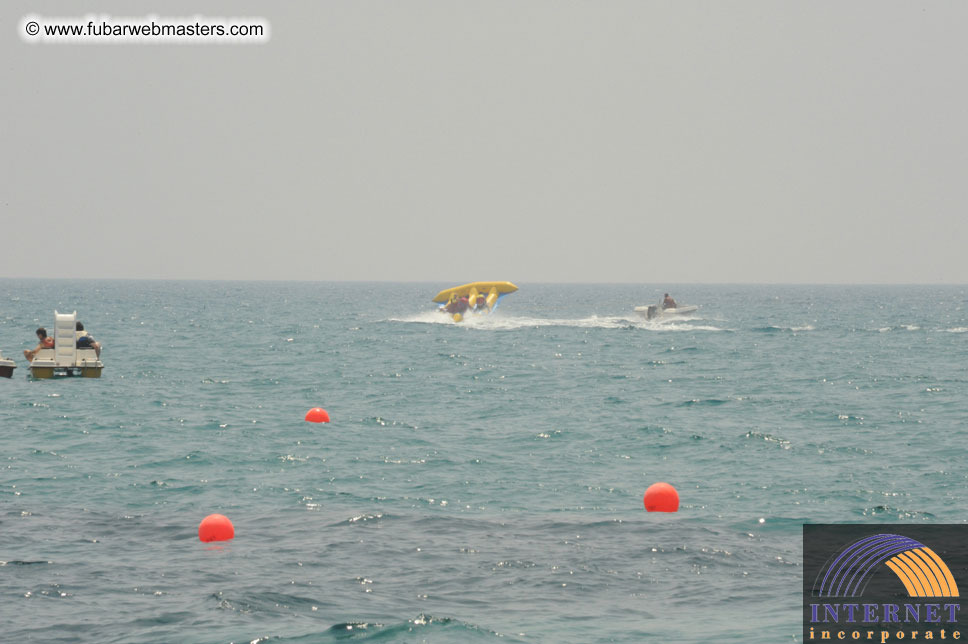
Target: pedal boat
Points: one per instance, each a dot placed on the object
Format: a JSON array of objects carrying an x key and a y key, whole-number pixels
[
  {"x": 66, "y": 358},
  {"x": 6, "y": 367}
]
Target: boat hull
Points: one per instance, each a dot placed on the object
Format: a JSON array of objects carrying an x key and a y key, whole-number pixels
[
  {"x": 85, "y": 364},
  {"x": 653, "y": 311},
  {"x": 6, "y": 367},
  {"x": 65, "y": 372}
]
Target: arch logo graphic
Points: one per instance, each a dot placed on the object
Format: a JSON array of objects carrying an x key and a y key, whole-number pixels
[
  {"x": 885, "y": 583},
  {"x": 922, "y": 572}
]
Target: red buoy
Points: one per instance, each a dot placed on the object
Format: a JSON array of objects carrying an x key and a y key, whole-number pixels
[
  {"x": 661, "y": 497},
  {"x": 317, "y": 415},
  {"x": 216, "y": 527}
]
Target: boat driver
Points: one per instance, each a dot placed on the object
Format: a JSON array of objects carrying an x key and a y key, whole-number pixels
[{"x": 668, "y": 302}]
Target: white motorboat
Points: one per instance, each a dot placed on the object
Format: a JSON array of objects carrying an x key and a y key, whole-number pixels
[
  {"x": 66, "y": 358},
  {"x": 655, "y": 311}
]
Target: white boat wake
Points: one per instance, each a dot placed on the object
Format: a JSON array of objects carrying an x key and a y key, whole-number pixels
[{"x": 500, "y": 322}]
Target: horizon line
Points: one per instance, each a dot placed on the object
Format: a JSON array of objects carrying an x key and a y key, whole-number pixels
[{"x": 429, "y": 281}]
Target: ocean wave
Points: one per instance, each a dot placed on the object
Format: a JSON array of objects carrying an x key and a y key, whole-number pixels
[
  {"x": 707, "y": 401},
  {"x": 17, "y": 562},
  {"x": 769, "y": 438},
  {"x": 675, "y": 326},
  {"x": 364, "y": 517},
  {"x": 415, "y": 629},
  {"x": 900, "y": 327},
  {"x": 900, "y": 513},
  {"x": 782, "y": 329},
  {"x": 379, "y": 421}
]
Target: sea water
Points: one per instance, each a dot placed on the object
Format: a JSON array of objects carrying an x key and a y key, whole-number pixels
[{"x": 478, "y": 482}]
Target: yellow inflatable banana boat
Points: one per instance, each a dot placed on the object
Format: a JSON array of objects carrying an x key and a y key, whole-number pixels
[{"x": 476, "y": 297}]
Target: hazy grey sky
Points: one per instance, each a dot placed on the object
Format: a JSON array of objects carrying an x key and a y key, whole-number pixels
[{"x": 515, "y": 140}]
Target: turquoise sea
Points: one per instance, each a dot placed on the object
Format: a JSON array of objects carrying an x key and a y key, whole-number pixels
[{"x": 478, "y": 482}]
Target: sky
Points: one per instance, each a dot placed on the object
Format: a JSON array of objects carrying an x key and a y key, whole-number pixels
[{"x": 532, "y": 141}]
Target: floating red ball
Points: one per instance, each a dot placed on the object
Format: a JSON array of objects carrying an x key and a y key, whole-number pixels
[
  {"x": 317, "y": 415},
  {"x": 216, "y": 527},
  {"x": 661, "y": 497}
]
